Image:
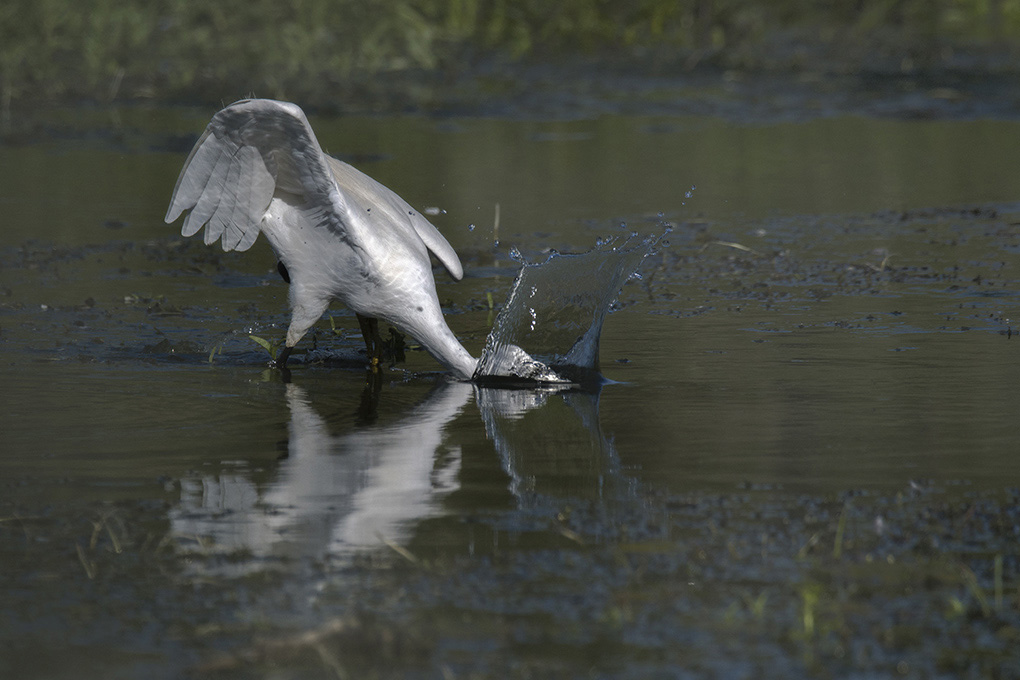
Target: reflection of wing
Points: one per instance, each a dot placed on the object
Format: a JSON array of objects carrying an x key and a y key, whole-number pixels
[{"x": 258, "y": 149}]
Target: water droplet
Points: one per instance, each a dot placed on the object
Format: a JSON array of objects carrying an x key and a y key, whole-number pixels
[
  {"x": 515, "y": 254},
  {"x": 471, "y": 227},
  {"x": 495, "y": 243},
  {"x": 546, "y": 290}
]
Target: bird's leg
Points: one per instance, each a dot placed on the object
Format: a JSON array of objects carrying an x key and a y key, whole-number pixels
[
  {"x": 373, "y": 343},
  {"x": 368, "y": 409},
  {"x": 280, "y": 363},
  {"x": 397, "y": 344}
]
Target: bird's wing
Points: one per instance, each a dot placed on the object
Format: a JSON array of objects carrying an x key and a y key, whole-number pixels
[
  {"x": 438, "y": 244},
  {"x": 251, "y": 151},
  {"x": 257, "y": 148},
  {"x": 393, "y": 211}
]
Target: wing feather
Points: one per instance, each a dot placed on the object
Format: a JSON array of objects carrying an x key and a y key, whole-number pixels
[
  {"x": 208, "y": 199},
  {"x": 256, "y": 149},
  {"x": 193, "y": 178},
  {"x": 227, "y": 184},
  {"x": 249, "y": 152},
  {"x": 437, "y": 243},
  {"x": 256, "y": 181},
  {"x": 360, "y": 189}
]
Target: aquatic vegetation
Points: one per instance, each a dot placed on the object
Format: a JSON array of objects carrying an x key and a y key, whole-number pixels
[{"x": 270, "y": 346}]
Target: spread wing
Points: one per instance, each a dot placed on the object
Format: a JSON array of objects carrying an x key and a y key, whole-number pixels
[{"x": 256, "y": 149}]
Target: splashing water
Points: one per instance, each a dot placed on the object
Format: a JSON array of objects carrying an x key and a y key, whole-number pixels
[
  {"x": 548, "y": 330},
  {"x": 688, "y": 194}
]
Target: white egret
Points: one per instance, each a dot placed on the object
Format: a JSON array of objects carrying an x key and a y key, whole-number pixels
[{"x": 338, "y": 233}]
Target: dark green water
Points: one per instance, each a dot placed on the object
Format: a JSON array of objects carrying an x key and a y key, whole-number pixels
[{"x": 802, "y": 466}]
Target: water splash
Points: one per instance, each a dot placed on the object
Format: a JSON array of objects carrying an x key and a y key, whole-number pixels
[{"x": 548, "y": 331}]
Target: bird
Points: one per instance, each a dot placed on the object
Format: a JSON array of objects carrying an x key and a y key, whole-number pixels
[{"x": 338, "y": 234}]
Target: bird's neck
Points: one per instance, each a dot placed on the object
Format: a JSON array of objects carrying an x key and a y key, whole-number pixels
[{"x": 442, "y": 344}]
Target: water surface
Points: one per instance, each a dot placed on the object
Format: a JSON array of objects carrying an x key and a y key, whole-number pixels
[{"x": 809, "y": 410}]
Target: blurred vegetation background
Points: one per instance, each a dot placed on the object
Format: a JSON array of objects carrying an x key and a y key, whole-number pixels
[{"x": 323, "y": 52}]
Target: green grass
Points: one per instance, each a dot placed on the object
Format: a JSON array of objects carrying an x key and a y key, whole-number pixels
[{"x": 319, "y": 51}]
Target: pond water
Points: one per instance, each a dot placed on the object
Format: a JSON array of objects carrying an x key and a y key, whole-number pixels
[{"x": 803, "y": 464}]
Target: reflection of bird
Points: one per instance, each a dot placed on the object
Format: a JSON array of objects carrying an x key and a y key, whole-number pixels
[
  {"x": 337, "y": 232},
  {"x": 334, "y": 492}
]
